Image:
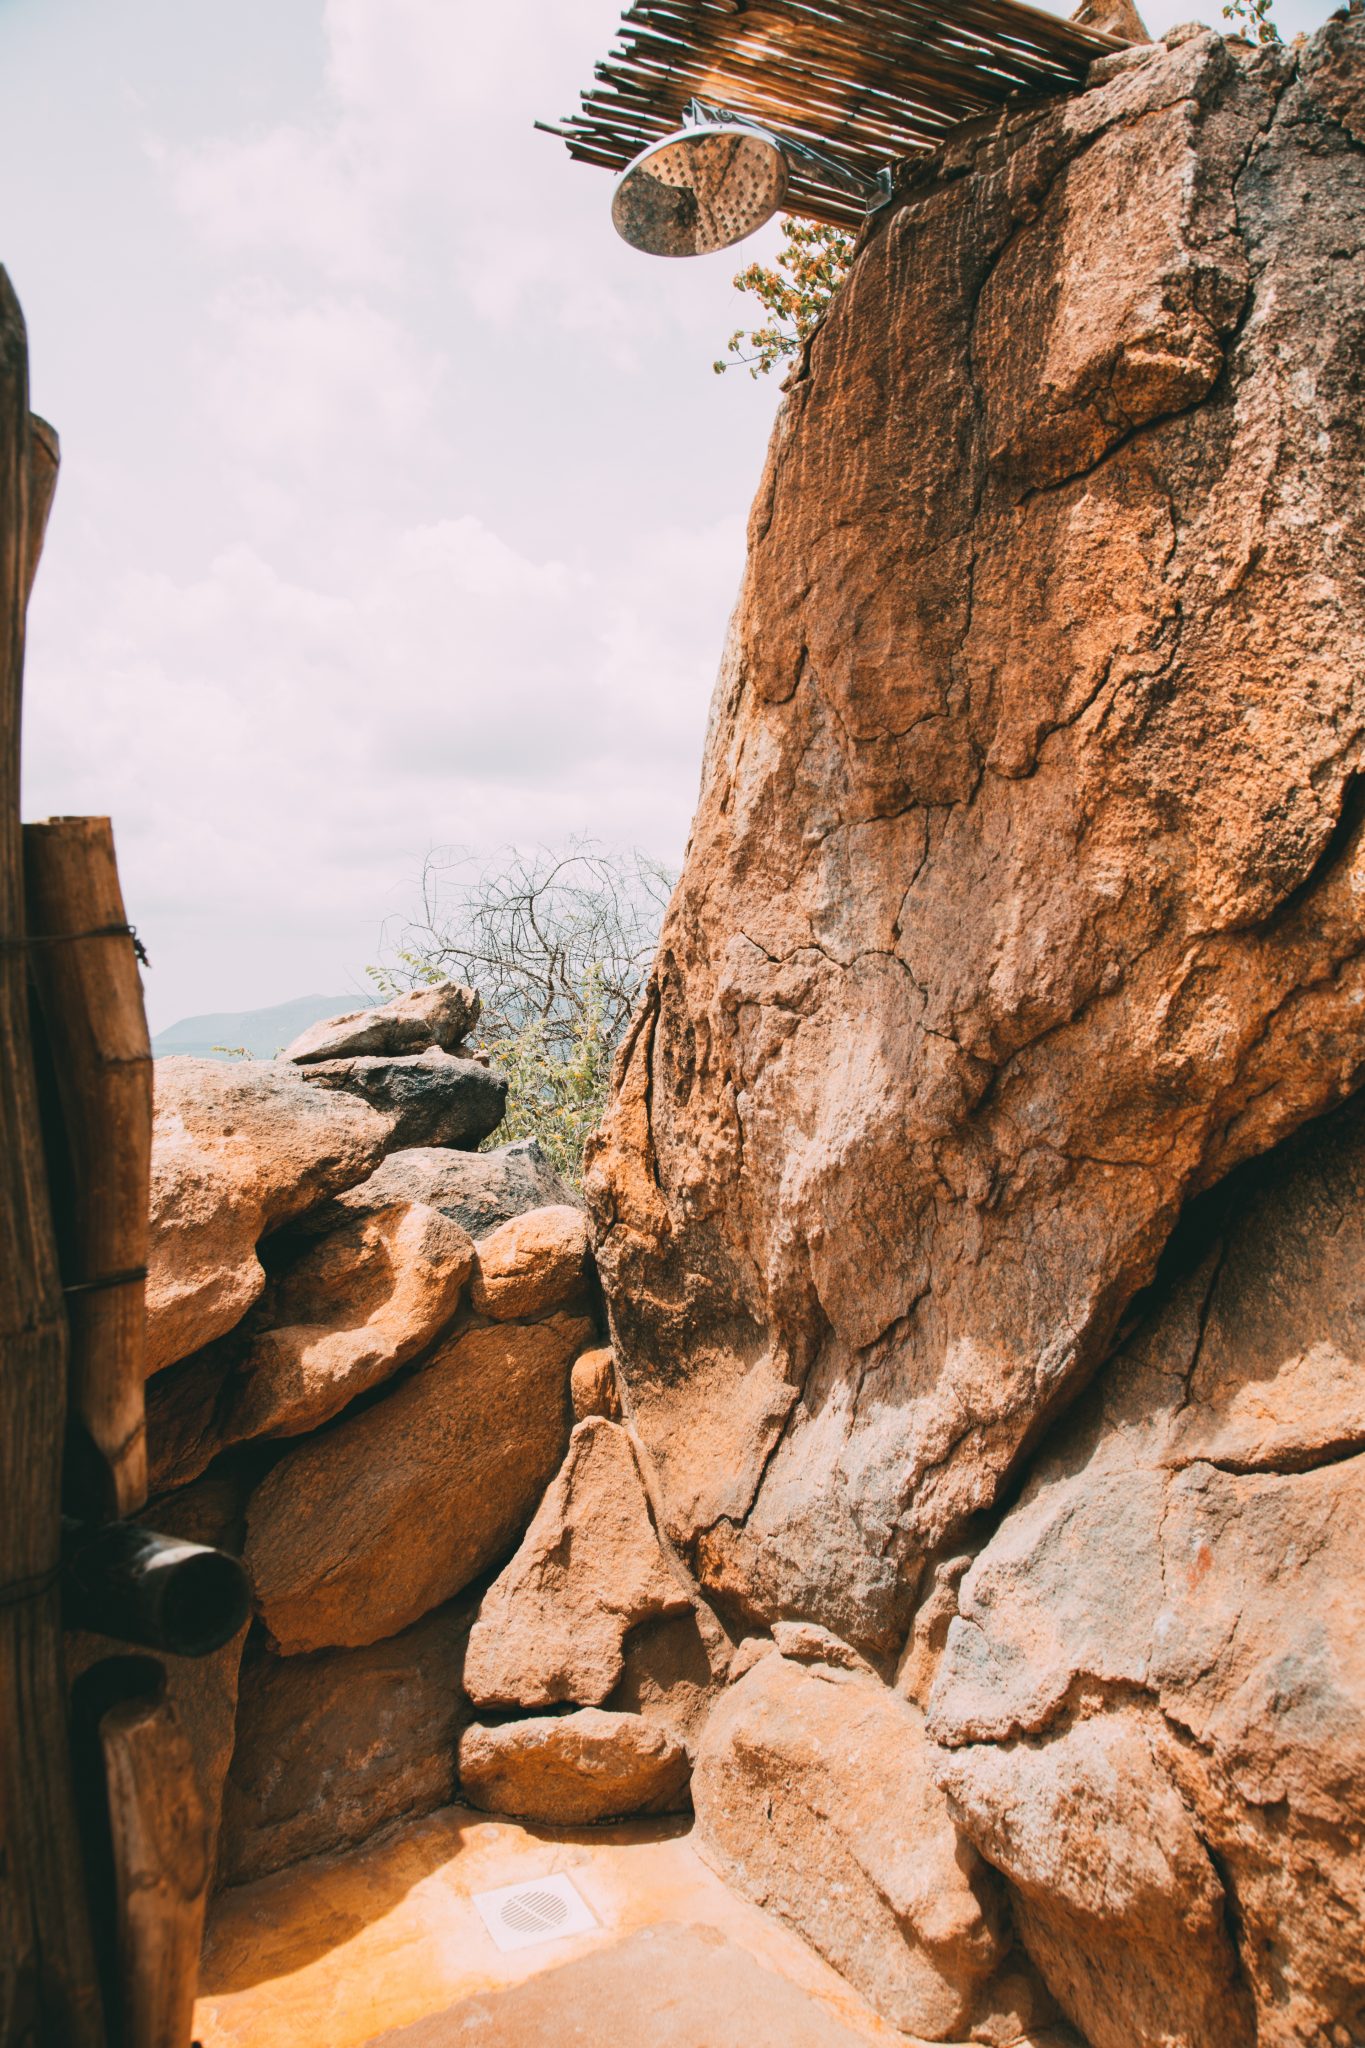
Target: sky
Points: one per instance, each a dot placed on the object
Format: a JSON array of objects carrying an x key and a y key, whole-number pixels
[{"x": 400, "y": 507}]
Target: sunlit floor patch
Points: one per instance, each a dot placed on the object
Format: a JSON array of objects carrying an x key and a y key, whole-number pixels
[{"x": 355, "y": 1949}]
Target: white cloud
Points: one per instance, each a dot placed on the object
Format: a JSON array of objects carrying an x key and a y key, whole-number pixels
[
  {"x": 289, "y": 379},
  {"x": 299, "y": 743},
  {"x": 297, "y": 191},
  {"x": 428, "y": 517}
]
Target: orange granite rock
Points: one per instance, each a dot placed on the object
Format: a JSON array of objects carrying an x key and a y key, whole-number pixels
[
  {"x": 379, "y": 1519},
  {"x": 565, "y": 1768},
  {"x": 551, "y": 1627},
  {"x": 1022, "y": 897},
  {"x": 240, "y": 1148},
  {"x": 1152, "y": 1700},
  {"x": 533, "y": 1263},
  {"x": 359, "y": 1304},
  {"x": 815, "y": 1796}
]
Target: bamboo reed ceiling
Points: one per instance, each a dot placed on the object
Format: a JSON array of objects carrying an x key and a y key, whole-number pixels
[{"x": 868, "y": 81}]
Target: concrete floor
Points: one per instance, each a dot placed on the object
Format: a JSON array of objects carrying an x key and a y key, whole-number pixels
[{"x": 384, "y": 1946}]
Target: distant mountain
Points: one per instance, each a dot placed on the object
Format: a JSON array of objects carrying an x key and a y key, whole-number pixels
[{"x": 262, "y": 1032}]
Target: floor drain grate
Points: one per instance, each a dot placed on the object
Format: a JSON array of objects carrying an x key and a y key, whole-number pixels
[
  {"x": 543, "y": 1909},
  {"x": 533, "y": 1912}
]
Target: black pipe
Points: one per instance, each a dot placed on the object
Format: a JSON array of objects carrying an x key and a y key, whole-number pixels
[{"x": 162, "y": 1592}]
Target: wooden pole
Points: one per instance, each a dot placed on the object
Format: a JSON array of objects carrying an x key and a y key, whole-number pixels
[
  {"x": 99, "y": 1060},
  {"x": 49, "y": 1990},
  {"x": 147, "y": 1845},
  {"x": 161, "y": 1871},
  {"x": 159, "y": 1838}
]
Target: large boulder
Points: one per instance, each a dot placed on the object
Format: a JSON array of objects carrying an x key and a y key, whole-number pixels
[
  {"x": 815, "y": 1796},
  {"x": 358, "y": 1305},
  {"x": 477, "y": 1190},
  {"x": 429, "y": 1098},
  {"x": 1022, "y": 900},
  {"x": 568, "y": 1769},
  {"x": 534, "y": 1263},
  {"x": 240, "y": 1148},
  {"x": 1112, "y": 1888},
  {"x": 443, "y": 1016},
  {"x": 392, "y": 1511},
  {"x": 1152, "y": 1700},
  {"x": 333, "y": 1746},
  {"x": 553, "y": 1626}
]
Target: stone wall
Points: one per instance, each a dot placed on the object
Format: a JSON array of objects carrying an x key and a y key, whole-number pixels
[{"x": 363, "y": 1335}]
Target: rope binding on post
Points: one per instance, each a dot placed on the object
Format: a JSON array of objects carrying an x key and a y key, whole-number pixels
[{"x": 99, "y": 931}]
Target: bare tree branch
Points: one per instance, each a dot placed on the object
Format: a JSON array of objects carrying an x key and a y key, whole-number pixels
[{"x": 556, "y": 937}]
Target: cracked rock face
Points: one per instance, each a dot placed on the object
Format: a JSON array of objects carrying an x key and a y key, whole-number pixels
[
  {"x": 1113, "y": 1890},
  {"x": 815, "y": 1796},
  {"x": 1152, "y": 1702},
  {"x": 1023, "y": 897}
]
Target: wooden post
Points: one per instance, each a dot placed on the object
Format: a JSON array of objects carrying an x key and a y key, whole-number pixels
[
  {"x": 148, "y": 1848},
  {"x": 99, "y": 1059},
  {"x": 161, "y": 1865},
  {"x": 49, "y": 1990}
]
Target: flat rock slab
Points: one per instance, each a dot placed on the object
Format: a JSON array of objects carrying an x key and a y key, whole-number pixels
[
  {"x": 345, "y": 1948},
  {"x": 430, "y": 1098},
  {"x": 477, "y": 1190},
  {"x": 665, "y": 1987},
  {"x": 442, "y": 1016}
]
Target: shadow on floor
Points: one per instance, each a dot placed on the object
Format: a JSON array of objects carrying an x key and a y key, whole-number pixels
[{"x": 333, "y": 1898}]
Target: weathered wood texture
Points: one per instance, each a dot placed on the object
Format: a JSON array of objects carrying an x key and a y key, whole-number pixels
[
  {"x": 100, "y": 1059},
  {"x": 868, "y": 81},
  {"x": 159, "y": 1838},
  {"x": 48, "y": 1987}
]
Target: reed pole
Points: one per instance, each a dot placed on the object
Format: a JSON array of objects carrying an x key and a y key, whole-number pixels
[{"x": 49, "y": 1987}]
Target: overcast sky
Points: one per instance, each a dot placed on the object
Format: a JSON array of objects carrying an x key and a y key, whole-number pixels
[{"x": 400, "y": 505}]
